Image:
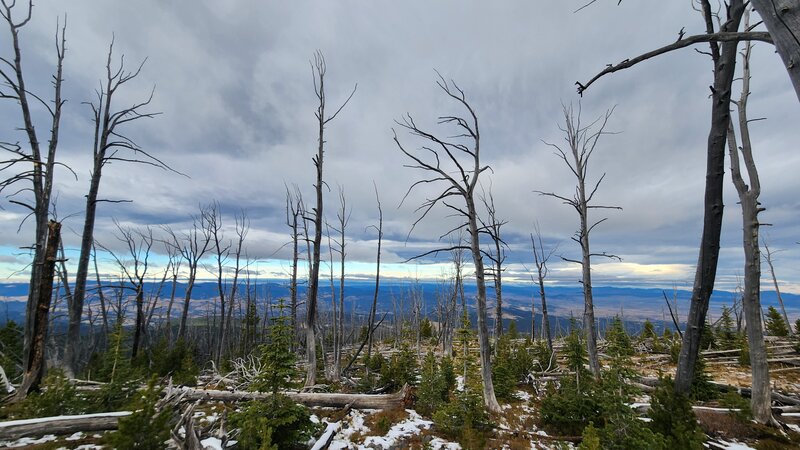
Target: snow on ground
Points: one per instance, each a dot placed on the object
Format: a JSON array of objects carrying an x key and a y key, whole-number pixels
[
  {"x": 399, "y": 431},
  {"x": 26, "y": 441},
  {"x": 522, "y": 395},
  {"x": 732, "y": 445},
  {"x": 354, "y": 423},
  {"x": 211, "y": 443}
]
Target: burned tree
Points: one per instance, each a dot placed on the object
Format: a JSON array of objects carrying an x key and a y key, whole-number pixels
[
  {"x": 581, "y": 143},
  {"x": 42, "y": 160},
  {"x": 294, "y": 214},
  {"x": 318, "y": 74},
  {"x": 768, "y": 258},
  {"x": 138, "y": 244},
  {"x": 540, "y": 259},
  {"x": 723, "y": 44},
  {"x": 109, "y": 146},
  {"x": 373, "y": 309},
  {"x": 760, "y": 399},
  {"x": 192, "y": 246},
  {"x": 496, "y": 255},
  {"x": 456, "y": 164}
]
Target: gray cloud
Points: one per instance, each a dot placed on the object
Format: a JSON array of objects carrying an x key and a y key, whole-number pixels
[{"x": 234, "y": 84}]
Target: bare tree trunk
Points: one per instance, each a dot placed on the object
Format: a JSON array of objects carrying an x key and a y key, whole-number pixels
[
  {"x": 318, "y": 69},
  {"x": 768, "y": 258},
  {"x": 293, "y": 212},
  {"x": 106, "y": 137},
  {"x": 35, "y": 360},
  {"x": 540, "y": 258},
  {"x": 40, "y": 174},
  {"x": 582, "y": 142},
  {"x": 724, "y": 68},
  {"x": 782, "y": 18},
  {"x": 374, "y": 307},
  {"x": 760, "y": 400}
]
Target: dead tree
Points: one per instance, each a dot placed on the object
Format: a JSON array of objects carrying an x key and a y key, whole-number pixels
[
  {"x": 42, "y": 160},
  {"x": 540, "y": 259},
  {"x": 109, "y": 146},
  {"x": 767, "y": 255},
  {"x": 294, "y": 211},
  {"x": 33, "y": 356},
  {"x": 175, "y": 264},
  {"x": 342, "y": 217},
  {"x": 456, "y": 164},
  {"x": 318, "y": 69},
  {"x": 192, "y": 246},
  {"x": 373, "y": 309},
  {"x": 138, "y": 244},
  {"x": 496, "y": 255},
  {"x": 760, "y": 400},
  {"x": 723, "y": 44},
  {"x": 241, "y": 228},
  {"x": 581, "y": 143},
  {"x": 782, "y": 19}
]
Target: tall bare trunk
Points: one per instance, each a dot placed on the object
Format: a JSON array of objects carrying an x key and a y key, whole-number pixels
[
  {"x": 724, "y": 68},
  {"x": 35, "y": 360}
]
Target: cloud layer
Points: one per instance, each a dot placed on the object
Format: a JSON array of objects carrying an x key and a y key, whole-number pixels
[{"x": 234, "y": 85}]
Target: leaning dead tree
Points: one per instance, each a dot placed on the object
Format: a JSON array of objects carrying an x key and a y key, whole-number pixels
[
  {"x": 455, "y": 163},
  {"x": 32, "y": 165},
  {"x": 723, "y": 44},
  {"x": 109, "y": 146},
  {"x": 760, "y": 400},
  {"x": 782, "y": 19},
  {"x": 581, "y": 143},
  {"x": 768, "y": 258},
  {"x": 318, "y": 73}
]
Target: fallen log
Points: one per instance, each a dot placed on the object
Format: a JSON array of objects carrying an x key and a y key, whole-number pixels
[
  {"x": 15, "y": 429},
  {"x": 357, "y": 401}
]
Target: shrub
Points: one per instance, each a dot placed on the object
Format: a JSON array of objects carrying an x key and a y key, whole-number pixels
[
  {"x": 147, "y": 428},
  {"x": 462, "y": 417},
  {"x": 436, "y": 384},
  {"x": 277, "y": 423},
  {"x": 673, "y": 418},
  {"x": 568, "y": 410},
  {"x": 177, "y": 362},
  {"x": 278, "y": 358},
  {"x": 400, "y": 369},
  {"x": 732, "y": 400},
  {"x": 775, "y": 325},
  {"x": 11, "y": 345},
  {"x": 56, "y": 397},
  {"x": 726, "y": 336}
]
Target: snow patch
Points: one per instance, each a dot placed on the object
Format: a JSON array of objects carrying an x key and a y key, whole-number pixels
[
  {"x": 441, "y": 444},
  {"x": 732, "y": 445},
  {"x": 408, "y": 427},
  {"x": 211, "y": 443},
  {"x": 75, "y": 436},
  {"x": 26, "y": 441},
  {"x": 522, "y": 395}
]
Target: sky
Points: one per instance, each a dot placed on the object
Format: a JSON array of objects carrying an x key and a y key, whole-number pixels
[{"x": 233, "y": 83}]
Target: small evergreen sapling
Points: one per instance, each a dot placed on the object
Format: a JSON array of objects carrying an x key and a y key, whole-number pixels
[{"x": 776, "y": 326}]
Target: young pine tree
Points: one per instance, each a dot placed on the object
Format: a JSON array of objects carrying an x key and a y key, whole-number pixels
[{"x": 776, "y": 326}]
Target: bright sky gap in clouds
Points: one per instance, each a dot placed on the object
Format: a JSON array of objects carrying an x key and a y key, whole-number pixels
[{"x": 234, "y": 85}]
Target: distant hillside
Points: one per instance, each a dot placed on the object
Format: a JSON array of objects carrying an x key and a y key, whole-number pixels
[{"x": 634, "y": 304}]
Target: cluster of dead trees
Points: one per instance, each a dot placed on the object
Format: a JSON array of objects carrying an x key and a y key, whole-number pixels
[{"x": 453, "y": 164}]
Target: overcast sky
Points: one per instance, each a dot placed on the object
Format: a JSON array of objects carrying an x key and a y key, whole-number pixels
[{"x": 234, "y": 84}]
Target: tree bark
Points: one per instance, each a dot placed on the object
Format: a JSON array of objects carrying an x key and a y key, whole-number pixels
[
  {"x": 724, "y": 69},
  {"x": 35, "y": 358},
  {"x": 782, "y": 18},
  {"x": 60, "y": 425},
  {"x": 751, "y": 299}
]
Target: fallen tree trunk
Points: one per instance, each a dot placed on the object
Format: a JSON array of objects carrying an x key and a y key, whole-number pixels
[
  {"x": 15, "y": 429},
  {"x": 356, "y": 401}
]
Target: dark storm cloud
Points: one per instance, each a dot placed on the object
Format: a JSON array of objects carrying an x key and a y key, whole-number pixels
[{"x": 234, "y": 84}]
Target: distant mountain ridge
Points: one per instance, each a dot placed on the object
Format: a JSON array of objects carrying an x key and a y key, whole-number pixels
[{"x": 634, "y": 304}]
